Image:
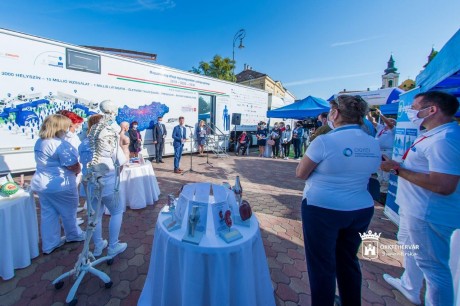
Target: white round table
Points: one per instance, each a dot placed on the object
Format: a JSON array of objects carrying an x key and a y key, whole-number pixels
[
  {"x": 211, "y": 273},
  {"x": 18, "y": 232},
  {"x": 138, "y": 186}
]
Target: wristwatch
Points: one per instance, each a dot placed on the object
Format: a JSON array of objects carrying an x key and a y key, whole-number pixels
[{"x": 395, "y": 170}]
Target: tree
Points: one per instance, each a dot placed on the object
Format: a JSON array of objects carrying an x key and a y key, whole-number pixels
[{"x": 220, "y": 68}]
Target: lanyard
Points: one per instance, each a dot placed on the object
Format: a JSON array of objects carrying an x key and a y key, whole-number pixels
[
  {"x": 348, "y": 127},
  {"x": 413, "y": 145},
  {"x": 381, "y": 132}
]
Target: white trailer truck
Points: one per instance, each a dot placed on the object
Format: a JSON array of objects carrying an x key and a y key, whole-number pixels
[{"x": 39, "y": 77}]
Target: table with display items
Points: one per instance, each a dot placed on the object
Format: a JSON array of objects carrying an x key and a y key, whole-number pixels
[
  {"x": 18, "y": 232},
  {"x": 211, "y": 273}
]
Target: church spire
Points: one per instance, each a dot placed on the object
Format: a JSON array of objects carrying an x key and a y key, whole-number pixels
[{"x": 391, "y": 66}]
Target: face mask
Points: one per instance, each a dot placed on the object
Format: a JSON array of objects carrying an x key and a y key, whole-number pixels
[
  {"x": 330, "y": 122},
  {"x": 135, "y": 127},
  {"x": 412, "y": 114},
  {"x": 319, "y": 122},
  {"x": 78, "y": 130}
]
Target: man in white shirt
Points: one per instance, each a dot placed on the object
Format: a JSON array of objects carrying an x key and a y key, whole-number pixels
[{"x": 429, "y": 199}]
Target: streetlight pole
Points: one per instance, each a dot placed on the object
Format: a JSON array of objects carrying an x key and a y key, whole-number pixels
[{"x": 239, "y": 35}]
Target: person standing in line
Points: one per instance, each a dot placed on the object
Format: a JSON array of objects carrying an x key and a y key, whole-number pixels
[
  {"x": 275, "y": 135},
  {"x": 297, "y": 135},
  {"x": 159, "y": 136},
  {"x": 55, "y": 183},
  {"x": 261, "y": 136},
  {"x": 124, "y": 140},
  {"x": 286, "y": 138},
  {"x": 135, "y": 140},
  {"x": 428, "y": 196},
  {"x": 179, "y": 136},
  {"x": 336, "y": 206}
]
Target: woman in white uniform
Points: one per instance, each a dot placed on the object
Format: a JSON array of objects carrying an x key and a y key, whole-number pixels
[
  {"x": 109, "y": 196},
  {"x": 336, "y": 206},
  {"x": 55, "y": 183}
]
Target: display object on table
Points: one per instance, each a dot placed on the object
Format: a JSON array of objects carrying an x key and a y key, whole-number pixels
[
  {"x": 196, "y": 221},
  {"x": 229, "y": 234},
  {"x": 7, "y": 185},
  {"x": 238, "y": 190},
  {"x": 172, "y": 223},
  {"x": 245, "y": 210}
]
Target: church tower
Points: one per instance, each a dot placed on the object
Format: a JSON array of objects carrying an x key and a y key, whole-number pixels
[{"x": 390, "y": 78}]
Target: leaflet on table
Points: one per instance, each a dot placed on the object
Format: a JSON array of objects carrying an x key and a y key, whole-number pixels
[
  {"x": 181, "y": 205},
  {"x": 202, "y": 191},
  {"x": 188, "y": 191},
  {"x": 218, "y": 213},
  {"x": 233, "y": 204},
  {"x": 220, "y": 193}
]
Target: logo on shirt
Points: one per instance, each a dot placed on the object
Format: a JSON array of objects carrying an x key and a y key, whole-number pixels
[
  {"x": 370, "y": 245},
  {"x": 348, "y": 152}
]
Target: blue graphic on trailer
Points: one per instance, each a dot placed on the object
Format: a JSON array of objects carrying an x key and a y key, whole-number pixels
[
  {"x": 145, "y": 115},
  {"x": 226, "y": 118}
]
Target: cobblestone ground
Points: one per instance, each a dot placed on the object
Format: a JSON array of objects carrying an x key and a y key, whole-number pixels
[{"x": 275, "y": 195}]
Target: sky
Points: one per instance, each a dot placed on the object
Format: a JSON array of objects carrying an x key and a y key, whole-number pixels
[{"x": 315, "y": 48}]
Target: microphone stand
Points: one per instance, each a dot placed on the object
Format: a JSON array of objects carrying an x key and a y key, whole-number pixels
[
  {"x": 207, "y": 151},
  {"x": 191, "y": 154}
]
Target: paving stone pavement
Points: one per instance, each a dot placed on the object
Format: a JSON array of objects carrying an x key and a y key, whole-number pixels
[{"x": 275, "y": 195}]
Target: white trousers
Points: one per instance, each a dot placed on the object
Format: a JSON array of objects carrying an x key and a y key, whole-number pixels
[
  {"x": 430, "y": 261},
  {"x": 116, "y": 218},
  {"x": 61, "y": 204}
]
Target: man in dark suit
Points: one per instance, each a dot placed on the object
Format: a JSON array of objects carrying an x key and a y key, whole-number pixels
[
  {"x": 159, "y": 135},
  {"x": 179, "y": 136}
]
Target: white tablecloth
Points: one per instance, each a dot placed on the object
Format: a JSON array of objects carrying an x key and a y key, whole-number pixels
[
  {"x": 213, "y": 273},
  {"x": 18, "y": 233},
  {"x": 138, "y": 186}
]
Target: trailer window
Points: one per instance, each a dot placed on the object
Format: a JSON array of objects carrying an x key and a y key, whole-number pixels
[{"x": 83, "y": 61}]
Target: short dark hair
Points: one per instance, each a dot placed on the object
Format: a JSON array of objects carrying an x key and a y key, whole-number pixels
[
  {"x": 447, "y": 103},
  {"x": 324, "y": 114},
  {"x": 181, "y": 117},
  {"x": 160, "y": 117}
]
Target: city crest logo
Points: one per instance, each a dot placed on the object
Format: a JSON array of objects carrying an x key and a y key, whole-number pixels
[
  {"x": 370, "y": 245},
  {"x": 348, "y": 152}
]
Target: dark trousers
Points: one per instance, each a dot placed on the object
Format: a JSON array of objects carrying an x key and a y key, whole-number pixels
[
  {"x": 332, "y": 241},
  {"x": 159, "y": 150},
  {"x": 243, "y": 147},
  {"x": 276, "y": 148},
  {"x": 286, "y": 148},
  {"x": 297, "y": 150},
  {"x": 177, "y": 155}
]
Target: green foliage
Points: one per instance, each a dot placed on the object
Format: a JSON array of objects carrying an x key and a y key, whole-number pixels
[
  {"x": 203, "y": 106},
  {"x": 219, "y": 67}
]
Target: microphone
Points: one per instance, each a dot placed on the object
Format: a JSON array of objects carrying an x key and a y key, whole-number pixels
[{"x": 189, "y": 126}]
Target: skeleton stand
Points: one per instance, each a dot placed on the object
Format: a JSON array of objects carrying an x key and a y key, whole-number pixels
[{"x": 86, "y": 260}]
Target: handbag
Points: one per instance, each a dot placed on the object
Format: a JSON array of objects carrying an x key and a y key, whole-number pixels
[{"x": 271, "y": 142}]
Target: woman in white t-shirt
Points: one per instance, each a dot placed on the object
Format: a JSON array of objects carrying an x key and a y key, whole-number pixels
[
  {"x": 336, "y": 206},
  {"x": 55, "y": 183}
]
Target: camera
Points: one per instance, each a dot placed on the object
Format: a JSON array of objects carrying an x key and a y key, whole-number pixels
[{"x": 372, "y": 109}]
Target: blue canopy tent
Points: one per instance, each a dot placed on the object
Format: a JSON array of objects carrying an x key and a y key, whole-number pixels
[{"x": 308, "y": 107}]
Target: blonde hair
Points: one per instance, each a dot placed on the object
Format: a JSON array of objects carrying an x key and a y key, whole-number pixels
[
  {"x": 202, "y": 121},
  {"x": 54, "y": 126},
  {"x": 93, "y": 120}
]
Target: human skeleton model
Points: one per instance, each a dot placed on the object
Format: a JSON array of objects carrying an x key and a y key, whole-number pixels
[{"x": 103, "y": 140}]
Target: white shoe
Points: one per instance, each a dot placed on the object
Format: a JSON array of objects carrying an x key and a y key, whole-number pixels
[
  {"x": 61, "y": 243},
  {"x": 98, "y": 250},
  {"x": 396, "y": 283},
  {"x": 117, "y": 249},
  {"x": 286, "y": 158},
  {"x": 80, "y": 221}
]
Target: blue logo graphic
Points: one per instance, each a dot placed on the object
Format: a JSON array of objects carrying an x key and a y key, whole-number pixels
[{"x": 348, "y": 152}]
